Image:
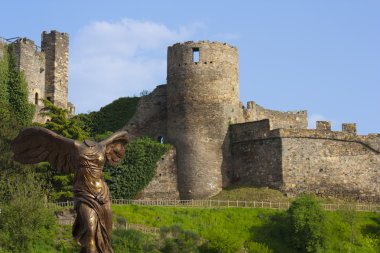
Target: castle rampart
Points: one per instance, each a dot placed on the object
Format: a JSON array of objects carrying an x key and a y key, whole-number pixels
[
  {"x": 254, "y": 112},
  {"x": 332, "y": 163}
]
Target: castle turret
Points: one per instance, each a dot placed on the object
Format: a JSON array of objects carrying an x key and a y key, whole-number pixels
[
  {"x": 56, "y": 48},
  {"x": 202, "y": 100}
]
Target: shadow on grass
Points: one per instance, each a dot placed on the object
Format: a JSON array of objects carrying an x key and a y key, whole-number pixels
[
  {"x": 373, "y": 228},
  {"x": 274, "y": 233}
]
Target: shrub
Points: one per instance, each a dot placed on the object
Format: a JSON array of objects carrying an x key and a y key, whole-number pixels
[
  {"x": 177, "y": 240},
  {"x": 24, "y": 216},
  {"x": 221, "y": 242},
  {"x": 133, "y": 241},
  {"x": 255, "y": 247},
  {"x": 307, "y": 225}
]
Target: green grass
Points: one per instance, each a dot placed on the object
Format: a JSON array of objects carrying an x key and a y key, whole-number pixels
[
  {"x": 251, "y": 194},
  {"x": 239, "y": 226}
]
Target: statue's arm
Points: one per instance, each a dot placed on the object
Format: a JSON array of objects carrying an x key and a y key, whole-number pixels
[{"x": 37, "y": 144}]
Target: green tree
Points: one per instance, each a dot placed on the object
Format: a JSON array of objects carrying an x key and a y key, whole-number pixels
[
  {"x": 24, "y": 216},
  {"x": 307, "y": 225},
  {"x": 60, "y": 123},
  {"x": 13, "y": 107}
]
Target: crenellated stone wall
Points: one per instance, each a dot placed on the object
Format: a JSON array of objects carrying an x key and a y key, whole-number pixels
[
  {"x": 254, "y": 112},
  {"x": 325, "y": 162}
]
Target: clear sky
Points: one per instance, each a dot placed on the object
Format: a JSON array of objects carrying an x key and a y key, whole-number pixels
[{"x": 322, "y": 56}]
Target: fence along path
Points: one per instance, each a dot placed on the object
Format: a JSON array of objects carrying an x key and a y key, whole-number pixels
[{"x": 210, "y": 203}]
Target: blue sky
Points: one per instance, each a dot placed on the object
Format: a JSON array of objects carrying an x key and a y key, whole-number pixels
[{"x": 322, "y": 56}]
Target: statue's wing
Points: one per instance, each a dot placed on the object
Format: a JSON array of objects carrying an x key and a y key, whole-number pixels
[
  {"x": 115, "y": 146},
  {"x": 37, "y": 144}
]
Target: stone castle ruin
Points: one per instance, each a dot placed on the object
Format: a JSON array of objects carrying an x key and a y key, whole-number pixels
[
  {"x": 219, "y": 142},
  {"x": 45, "y": 68}
]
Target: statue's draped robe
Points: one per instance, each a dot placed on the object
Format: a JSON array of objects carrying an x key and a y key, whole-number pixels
[{"x": 93, "y": 224}]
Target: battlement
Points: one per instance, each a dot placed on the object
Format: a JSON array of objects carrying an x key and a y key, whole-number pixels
[
  {"x": 203, "y": 42},
  {"x": 253, "y": 105},
  {"x": 192, "y": 56},
  {"x": 259, "y": 130},
  {"x": 55, "y": 32},
  {"x": 279, "y": 119}
]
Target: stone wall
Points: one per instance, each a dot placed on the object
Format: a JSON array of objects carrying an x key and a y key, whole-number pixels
[
  {"x": 202, "y": 100},
  {"x": 150, "y": 116},
  {"x": 56, "y": 48},
  {"x": 164, "y": 183},
  {"x": 329, "y": 163},
  {"x": 32, "y": 63},
  {"x": 331, "y": 167},
  {"x": 297, "y": 119}
]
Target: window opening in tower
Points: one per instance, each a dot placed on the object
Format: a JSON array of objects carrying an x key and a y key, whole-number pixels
[{"x": 196, "y": 55}]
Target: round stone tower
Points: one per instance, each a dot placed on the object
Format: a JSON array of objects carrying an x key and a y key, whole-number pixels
[{"x": 202, "y": 100}]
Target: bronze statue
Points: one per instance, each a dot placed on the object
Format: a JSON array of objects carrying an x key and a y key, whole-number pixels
[{"x": 93, "y": 224}]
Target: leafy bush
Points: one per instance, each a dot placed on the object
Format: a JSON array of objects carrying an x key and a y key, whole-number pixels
[
  {"x": 60, "y": 123},
  {"x": 221, "y": 241},
  {"x": 255, "y": 247},
  {"x": 132, "y": 241},
  {"x": 178, "y": 240},
  {"x": 307, "y": 225},
  {"x": 136, "y": 169},
  {"x": 24, "y": 216}
]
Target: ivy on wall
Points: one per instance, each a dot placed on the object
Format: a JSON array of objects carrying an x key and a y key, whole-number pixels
[{"x": 137, "y": 168}]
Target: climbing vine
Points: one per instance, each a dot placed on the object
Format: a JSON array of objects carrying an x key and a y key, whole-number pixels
[{"x": 136, "y": 169}]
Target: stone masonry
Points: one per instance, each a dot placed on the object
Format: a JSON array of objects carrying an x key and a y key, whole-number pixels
[
  {"x": 219, "y": 142},
  {"x": 45, "y": 69}
]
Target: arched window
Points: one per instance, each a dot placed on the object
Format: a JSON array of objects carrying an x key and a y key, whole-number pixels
[{"x": 36, "y": 98}]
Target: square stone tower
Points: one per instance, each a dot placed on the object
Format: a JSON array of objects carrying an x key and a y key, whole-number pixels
[{"x": 55, "y": 45}]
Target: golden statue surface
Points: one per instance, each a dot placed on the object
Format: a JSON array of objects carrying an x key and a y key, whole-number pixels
[{"x": 93, "y": 224}]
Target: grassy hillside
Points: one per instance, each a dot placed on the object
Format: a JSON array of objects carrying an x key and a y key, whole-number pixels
[
  {"x": 110, "y": 117},
  {"x": 355, "y": 232}
]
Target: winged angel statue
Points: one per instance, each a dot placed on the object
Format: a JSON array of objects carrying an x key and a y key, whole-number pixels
[{"x": 93, "y": 223}]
